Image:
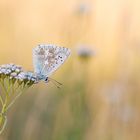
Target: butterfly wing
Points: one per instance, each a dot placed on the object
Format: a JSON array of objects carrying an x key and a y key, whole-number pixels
[{"x": 48, "y": 58}]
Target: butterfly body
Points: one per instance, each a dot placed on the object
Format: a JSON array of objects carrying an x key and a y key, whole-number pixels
[
  {"x": 47, "y": 59},
  {"x": 41, "y": 77}
]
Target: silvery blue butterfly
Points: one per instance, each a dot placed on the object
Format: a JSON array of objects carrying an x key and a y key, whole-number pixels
[{"x": 47, "y": 59}]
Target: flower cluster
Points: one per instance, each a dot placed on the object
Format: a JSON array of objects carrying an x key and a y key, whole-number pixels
[
  {"x": 13, "y": 82},
  {"x": 16, "y": 73}
]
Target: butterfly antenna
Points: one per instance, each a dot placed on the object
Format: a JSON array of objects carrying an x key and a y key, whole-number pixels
[
  {"x": 57, "y": 84},
  {"x": 55, "y": 81}
]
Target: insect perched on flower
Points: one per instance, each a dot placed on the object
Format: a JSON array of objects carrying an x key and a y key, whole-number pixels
[
  {"x": 47, "y": 59},
  {"x": 14, "y": 81}
]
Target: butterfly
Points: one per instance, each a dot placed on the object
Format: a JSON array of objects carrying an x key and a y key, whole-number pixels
[{"x": 47, "y": 59}]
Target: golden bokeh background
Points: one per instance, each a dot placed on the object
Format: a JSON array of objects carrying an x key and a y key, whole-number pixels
[{"x": 100, "y": 97}]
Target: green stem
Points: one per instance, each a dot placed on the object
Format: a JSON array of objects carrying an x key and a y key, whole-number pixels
[
  {"x": 3, "y": 118},
  {"x": 3, "y": 121},
  {"x": 1, "y": 100},
  {"x": 5, "y": 104},
  {"x": 22, "y": 91},
  {"x": 3, "y": 87}
]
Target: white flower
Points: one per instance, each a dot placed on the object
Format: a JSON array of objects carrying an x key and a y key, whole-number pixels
[
  {"x": 16, "y": 72},
  {"x": 8, "y": 71},
  {"x": 3, "y": 70},
  {"x": 83, "y": 8},
  {"x": 13, "y": 75},
  {"x": 85, "y": 51}
]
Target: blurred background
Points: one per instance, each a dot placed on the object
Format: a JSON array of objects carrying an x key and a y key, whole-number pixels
[{"x": 99, "y": 99}]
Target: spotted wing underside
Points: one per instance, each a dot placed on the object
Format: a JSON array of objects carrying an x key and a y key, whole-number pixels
[{"x": 48, "y": 58}]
